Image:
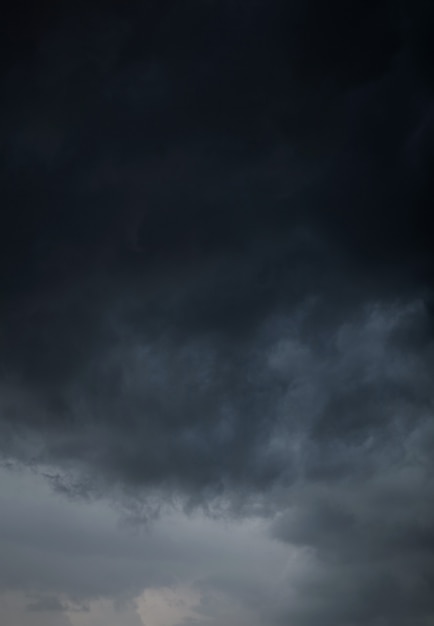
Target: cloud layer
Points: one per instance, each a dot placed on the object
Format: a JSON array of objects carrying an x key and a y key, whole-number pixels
[{"x": 216, "y": 277}]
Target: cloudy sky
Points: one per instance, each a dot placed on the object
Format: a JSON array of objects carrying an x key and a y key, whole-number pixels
[{"x": 217, "y": 313}]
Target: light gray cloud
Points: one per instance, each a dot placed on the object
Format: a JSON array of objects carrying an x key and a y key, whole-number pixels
[{"x": 82, "y": 562}]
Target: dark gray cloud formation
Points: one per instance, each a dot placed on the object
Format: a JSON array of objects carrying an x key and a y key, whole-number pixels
[{"x": 216, "y": 272}]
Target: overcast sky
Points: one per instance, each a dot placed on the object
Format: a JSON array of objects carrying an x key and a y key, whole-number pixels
[{"x": 216, "y": 313}]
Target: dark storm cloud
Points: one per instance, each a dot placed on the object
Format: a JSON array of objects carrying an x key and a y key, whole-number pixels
[
  {"x": 216, "y": 268},
  {"x": 371, "y": 544}
]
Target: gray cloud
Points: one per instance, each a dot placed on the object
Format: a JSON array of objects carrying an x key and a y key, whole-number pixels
[
  {"x": 47, "y": 603},
  {"x": 81, "y": 561},
  {"x": 216, "y": 288}
]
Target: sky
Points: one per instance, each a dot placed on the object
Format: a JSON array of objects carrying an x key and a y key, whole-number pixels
[{"x": 217, "y": 313}]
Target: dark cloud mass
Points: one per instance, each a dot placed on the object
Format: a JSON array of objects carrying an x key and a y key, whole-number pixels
[{"x": 216, "y": 274}]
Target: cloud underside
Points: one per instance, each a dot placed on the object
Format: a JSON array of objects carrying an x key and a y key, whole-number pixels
[{"x": 216, "y": 279}]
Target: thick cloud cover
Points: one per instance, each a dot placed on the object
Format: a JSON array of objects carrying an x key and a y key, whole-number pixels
[
  {"x": 68, "y": 560},
  {"x": 216, "y": 275}
]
